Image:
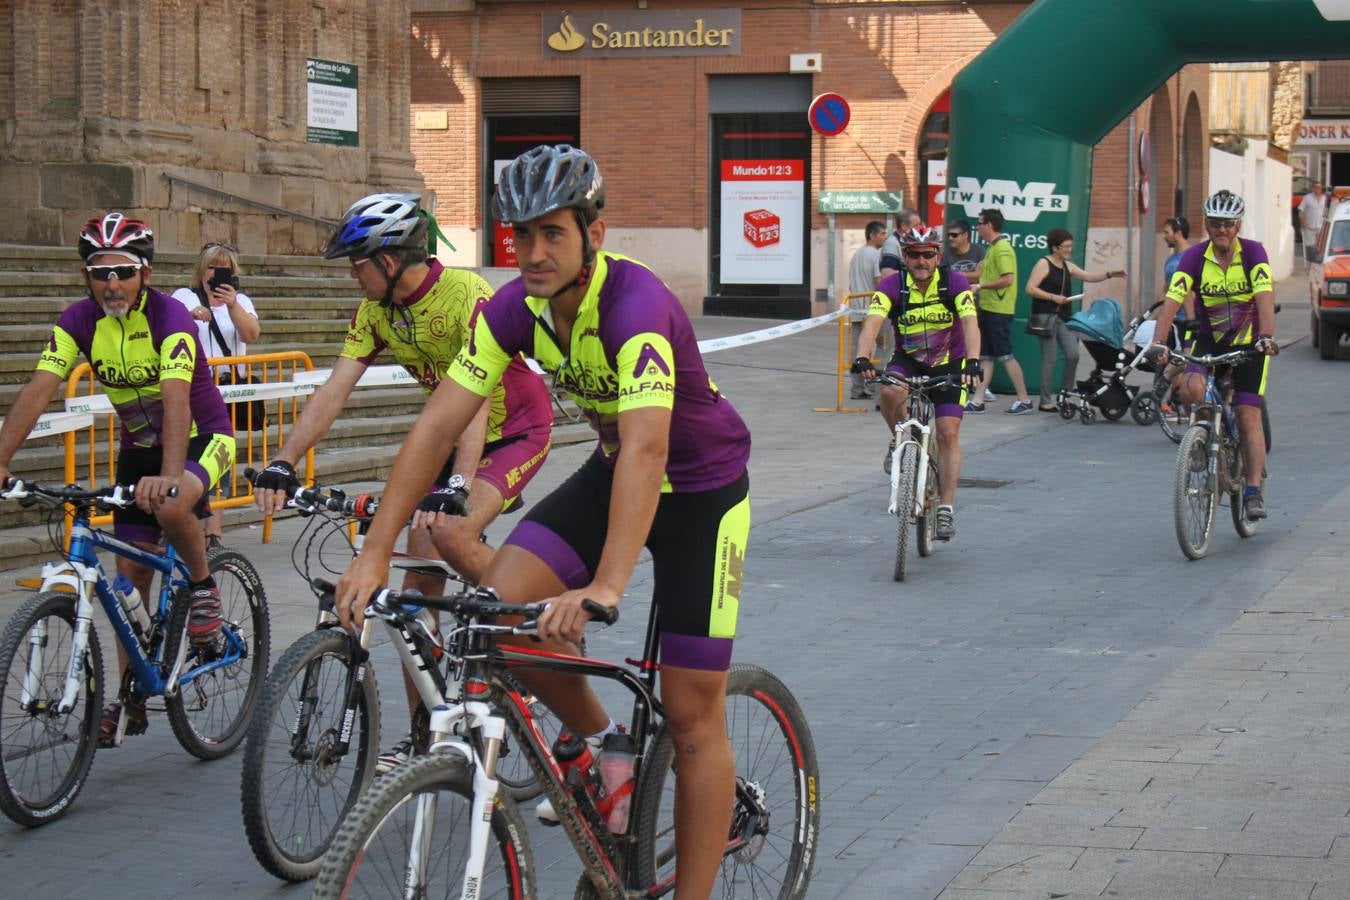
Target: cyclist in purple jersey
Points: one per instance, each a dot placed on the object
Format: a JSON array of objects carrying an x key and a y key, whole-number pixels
[
  {"x": 177, "y": 441},
  {"x": 1229, "y": 278},
  {"x": 668, "y": 474},
  {"x": 932, "y": 312}
]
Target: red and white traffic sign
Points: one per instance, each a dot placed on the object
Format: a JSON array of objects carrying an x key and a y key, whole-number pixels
[{"x": 828, "y": 114}]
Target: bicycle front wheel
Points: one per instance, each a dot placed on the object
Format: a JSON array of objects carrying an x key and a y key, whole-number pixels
[
  {"x": 298, "y": 782},
  {"x": 776, "y": 818},
  {"x": 45, "y": 754},
  {"x": 1195, "y": 494},
  {"x": 210, "y": 713},
  {"x": 926, "y": 525},
  {"x": 904, "y": 506},
  {"x": 408, "y": 836}
]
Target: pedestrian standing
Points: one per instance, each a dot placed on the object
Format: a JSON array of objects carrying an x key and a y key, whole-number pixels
[
  {"x": 1311, "y": 211},
  {"x": 997, "y": 292},
  {"x": 864, "y": 270},
  {"x": 1050, "y": 287}
]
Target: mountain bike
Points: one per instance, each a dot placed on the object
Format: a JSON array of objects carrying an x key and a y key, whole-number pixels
[
  {"x": 1209, "y": 459},
  {"x": 313, "y": 743},
  {"x": 52, "y": 695},
  {"x": 914, "y": 467},
  {"x": 440, "y": 826}
]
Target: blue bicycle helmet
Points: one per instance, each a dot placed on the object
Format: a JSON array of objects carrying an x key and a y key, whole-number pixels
[{"x": 379, "y": 222}]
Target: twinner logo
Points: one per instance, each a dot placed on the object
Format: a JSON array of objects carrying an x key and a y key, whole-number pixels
[
  {"x": 566, "y": 38},
  {"x": 1018, "y": 204}
]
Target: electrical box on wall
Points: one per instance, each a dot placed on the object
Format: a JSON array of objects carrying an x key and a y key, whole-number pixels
[{"x": 804, "y": 63}]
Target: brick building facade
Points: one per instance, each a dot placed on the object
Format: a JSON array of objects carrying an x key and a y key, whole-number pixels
[{"x": 661, "y": 123}]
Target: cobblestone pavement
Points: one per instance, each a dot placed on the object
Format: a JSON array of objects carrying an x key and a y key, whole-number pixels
[{"x": 1049, "y": 706}]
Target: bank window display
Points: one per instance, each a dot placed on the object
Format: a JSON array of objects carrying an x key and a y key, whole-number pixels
[{"x": 759, "y": 215}]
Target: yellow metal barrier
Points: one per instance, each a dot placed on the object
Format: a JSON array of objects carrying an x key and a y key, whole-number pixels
[
  {"x": 253, "y": 447},
  {"x": 845, "y": 361}
]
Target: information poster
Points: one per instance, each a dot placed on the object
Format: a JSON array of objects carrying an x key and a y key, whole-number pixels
[
  {"x": 332, "y": 104},
  {"x": 762, "y": 226}
]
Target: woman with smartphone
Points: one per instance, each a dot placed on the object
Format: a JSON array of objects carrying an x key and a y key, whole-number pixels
[{"x": 226, "y": 324}]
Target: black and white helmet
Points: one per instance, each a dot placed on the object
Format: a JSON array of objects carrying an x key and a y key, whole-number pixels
[
  {"x": 1224, "y": 205},
  {"x": 544, "y": 179},
  {"x": 378, "y": 222}
]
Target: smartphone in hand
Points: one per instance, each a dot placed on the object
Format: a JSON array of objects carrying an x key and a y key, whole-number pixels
[{"x": 222, "y": 276}]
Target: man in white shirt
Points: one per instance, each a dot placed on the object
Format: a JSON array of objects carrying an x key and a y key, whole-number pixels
[
  {"x": 863, "y": 271},
  {"x": 1311, "y": 212}
]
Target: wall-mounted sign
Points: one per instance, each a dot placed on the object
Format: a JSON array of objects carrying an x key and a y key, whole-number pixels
[
  {"x": 762, "y": 202},
  {"x": 675, "y": 32},
  {"x": 332, "y": 107},
  {"x": 828, "y": 114},
  {"x": 861, "y": 201},
  {"x": 1323, "y": 133}
]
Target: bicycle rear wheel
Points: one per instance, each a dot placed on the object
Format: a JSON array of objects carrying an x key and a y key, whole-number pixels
[
  {"x": 210, "y": 714},
  {"x": 776, "y": 818},
  {"x": 45, "y": 755},
  {"x": 1244, "y": 526},
  {"x": 904, "y": 506},
  {"x": 428, "y": 801},
  {"x": 1174, "y": 418},
  {"x": 298, "y": 783},
  {"x": 1195, "y": 494}
]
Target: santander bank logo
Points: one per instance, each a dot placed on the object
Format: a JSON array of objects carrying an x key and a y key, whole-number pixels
[{"x": 1018, "y": 204}]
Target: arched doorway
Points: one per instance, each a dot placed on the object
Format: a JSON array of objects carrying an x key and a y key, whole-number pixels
[
  {"x": 1190, "y": 188},
  {"x": 933, "y": 142}
]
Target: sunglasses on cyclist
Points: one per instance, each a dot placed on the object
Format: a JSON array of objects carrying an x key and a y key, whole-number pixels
[
  {"x": 105, "y": 273},
  {"x": 212, "y": 245},
  {"x": 1221, "y": 223},
  {"x": 921, "y": 254}
]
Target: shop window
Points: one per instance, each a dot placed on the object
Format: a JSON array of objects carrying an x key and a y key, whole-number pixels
[{"x": 933, "y": 148}]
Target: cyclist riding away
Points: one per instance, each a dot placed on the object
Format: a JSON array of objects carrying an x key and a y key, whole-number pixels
[
  {"x": 176, "y": 439},
  {"x": 669, "y": 472},
  {"x": 420, "y": 312},
  {"x": 932, "y": 311},
  {"x": 1230, "y": 278}
]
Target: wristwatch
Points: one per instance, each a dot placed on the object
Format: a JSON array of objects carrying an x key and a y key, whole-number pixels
[{"x": 457, "y": 483}]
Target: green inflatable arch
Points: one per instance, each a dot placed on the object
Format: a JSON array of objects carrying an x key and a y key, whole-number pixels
[{"x": 1027, "y": 111}]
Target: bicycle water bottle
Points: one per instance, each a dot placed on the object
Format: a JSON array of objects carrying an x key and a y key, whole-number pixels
[
  {"x": 618, "y": 755},
  {"x": 575, "y": 758},
  {"x": 132, "y": 605}
]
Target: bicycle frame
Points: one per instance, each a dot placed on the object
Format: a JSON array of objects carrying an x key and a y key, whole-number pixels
[
  {"x": 83, "y": 572},
  {"x": 914, "y": 430}
]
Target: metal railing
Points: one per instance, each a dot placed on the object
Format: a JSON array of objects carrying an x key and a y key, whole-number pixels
[{"x": 248, "y": 201}]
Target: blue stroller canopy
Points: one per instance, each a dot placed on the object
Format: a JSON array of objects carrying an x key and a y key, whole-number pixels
[{"x": 1100, "y": 322}]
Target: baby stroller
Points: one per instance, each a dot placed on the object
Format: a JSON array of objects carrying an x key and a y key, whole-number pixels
[{"x": 1105, "y": 388}]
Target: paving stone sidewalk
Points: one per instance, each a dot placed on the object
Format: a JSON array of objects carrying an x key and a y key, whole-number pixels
[{"x": 1228, "y": 780}]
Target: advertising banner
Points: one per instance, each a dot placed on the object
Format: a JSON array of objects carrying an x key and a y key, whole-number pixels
[
  {"x": 332, "y": 103},
  {"x": 762, "y": 227}
]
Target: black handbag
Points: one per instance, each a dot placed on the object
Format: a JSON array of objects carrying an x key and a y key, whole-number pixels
[
  {"x": 250, "y": 416},
  {"x": 1041, "y": 324}
]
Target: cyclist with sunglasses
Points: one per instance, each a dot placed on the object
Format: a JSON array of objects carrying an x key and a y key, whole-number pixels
[
  {"x": 176, "y": 439},
  {"x": 668, "y": 473},
  {"x": 932, "y": 313},
  {"x": 420, "y": 312},
  {"x": 1229, "y": 277}
]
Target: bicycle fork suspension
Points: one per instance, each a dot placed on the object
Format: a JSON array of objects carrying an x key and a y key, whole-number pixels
[
  {"x": 79, "y": 646},
  {"x": 902, "y": 430}
]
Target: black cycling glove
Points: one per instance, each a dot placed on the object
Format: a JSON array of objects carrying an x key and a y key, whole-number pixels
[
  {"x": 863, "y": 366},
  {"x": 453, "y": 499},
  {"x": 971, "y": 371},
  {"x": 278, "y": 476}
]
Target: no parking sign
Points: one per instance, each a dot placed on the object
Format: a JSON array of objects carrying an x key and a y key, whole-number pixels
[{"x": 828, "y": 114}]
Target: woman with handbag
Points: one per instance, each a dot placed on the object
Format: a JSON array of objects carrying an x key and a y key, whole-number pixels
[
  {"x": 226, "y": 324},
  {"x": 1050, "y": 289}
]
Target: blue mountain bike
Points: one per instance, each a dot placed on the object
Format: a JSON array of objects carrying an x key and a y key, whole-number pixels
[{"x": 52, "y": 665}]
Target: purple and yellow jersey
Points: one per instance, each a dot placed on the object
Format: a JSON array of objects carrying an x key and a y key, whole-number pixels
[
  {"x": 631, "y": 347},
  {"x": 425, "y": 334},
  {"x": 926, "y": 330},
  {"x": 1227, "y": 309},
  {"x": 132, "y": 355}
]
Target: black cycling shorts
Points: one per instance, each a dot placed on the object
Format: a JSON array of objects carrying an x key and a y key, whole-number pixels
[
  {"x": 206, "y": 457},
  {"x": 697, "y": 542},
  {"x": 1249, "y": 378}
]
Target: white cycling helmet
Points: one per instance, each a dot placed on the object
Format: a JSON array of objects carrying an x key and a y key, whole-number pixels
[{"x": 1224, "y": 205}]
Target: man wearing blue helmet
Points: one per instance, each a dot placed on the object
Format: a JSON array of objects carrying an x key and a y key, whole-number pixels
[{"x": 420, "y": 312}]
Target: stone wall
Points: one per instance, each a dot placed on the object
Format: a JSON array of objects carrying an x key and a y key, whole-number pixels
[{"x": 100, "y": 100}]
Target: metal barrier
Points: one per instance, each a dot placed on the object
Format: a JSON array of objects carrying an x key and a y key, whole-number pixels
[
  {"x": 267, "y": 377},
  {"x": 845, "y": 359}
]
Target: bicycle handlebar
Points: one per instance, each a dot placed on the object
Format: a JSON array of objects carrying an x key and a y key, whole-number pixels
[
  {"x": 310, "y": 499},
  {"x": 1232, "y": 357},
  {"x": 922, "y": 382},
  {"x": 469, "y": 604},
  {"x": 118, "y": 495}
]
